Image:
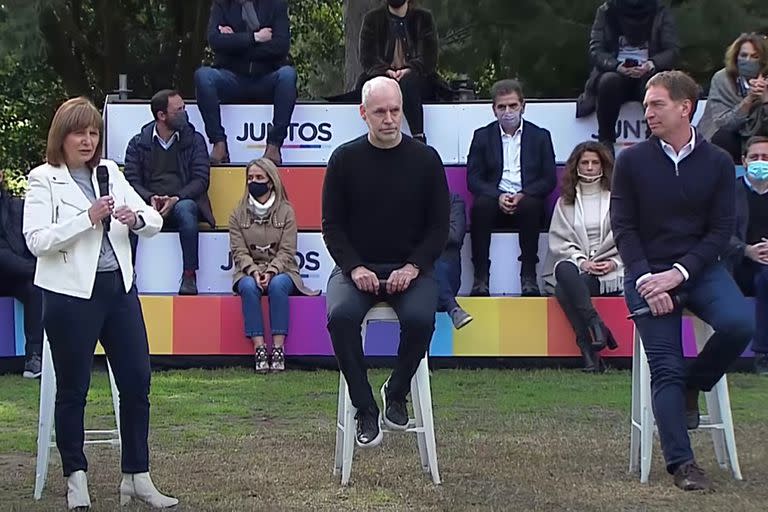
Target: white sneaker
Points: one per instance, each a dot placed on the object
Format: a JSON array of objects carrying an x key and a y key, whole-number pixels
[
  {"x": 140, "y": 486},
  {"x": 77, "y": 491}
]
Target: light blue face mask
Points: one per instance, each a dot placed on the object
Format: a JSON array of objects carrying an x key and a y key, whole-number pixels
[{"x": 758, "y": 170}]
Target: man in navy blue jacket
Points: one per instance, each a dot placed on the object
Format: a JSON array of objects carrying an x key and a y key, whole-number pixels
[
  {"x": 167, "y": 164},
  {"x": 250, "y": 40},
  {"x": 672, "y": 213},
  {"x": 510, "y": 172}
]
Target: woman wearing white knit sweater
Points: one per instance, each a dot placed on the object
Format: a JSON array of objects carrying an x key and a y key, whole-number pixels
[{"x": 582, "y": 260}]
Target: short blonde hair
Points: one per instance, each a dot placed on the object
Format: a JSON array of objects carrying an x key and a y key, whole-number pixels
[
  {"x": 73, "y": 115},
  {"x": 379, "y": 82}
]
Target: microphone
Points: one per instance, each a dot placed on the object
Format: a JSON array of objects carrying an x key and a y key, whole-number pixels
[
  {"x": 102, "y": 177},
  {"x": 678, "y": 299}
]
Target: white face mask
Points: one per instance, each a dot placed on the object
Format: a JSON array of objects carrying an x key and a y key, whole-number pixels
[{"x": 589, "y": 179}]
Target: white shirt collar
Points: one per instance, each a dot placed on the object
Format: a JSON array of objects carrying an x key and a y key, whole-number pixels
[
  {"x": 519, "y": 130},
  {"x": 165, "y": 145},
  {"x": 685, "y": 150}
]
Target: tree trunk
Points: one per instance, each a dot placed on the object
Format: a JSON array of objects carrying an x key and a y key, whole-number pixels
[{"x": 354, "y": 11}]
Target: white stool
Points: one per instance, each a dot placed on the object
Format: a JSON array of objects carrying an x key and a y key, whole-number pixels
[
  {"x": 422, "y": 425},
  {"x": 45, "y": 433},
  {"x": 643, "y": 425}
]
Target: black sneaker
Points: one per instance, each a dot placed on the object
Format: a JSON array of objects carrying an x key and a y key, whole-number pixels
[
  {"x": 277, "y": 361},
  {"x": 761, "y": 364},
  {"x": 529, "y": 287},
  {"x": 33, "y": 367},
  {"x": 369, "y": 435},
  {"x": 188, "y": 284},
  {"x": 395, "y": 412},
  {"x": 480, "y": 288},
  {"x": 261, "y": 359},
  {"x": 690, "y": 477}
]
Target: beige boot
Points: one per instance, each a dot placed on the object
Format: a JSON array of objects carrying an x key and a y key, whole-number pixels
[
  {"x": 140, "y": 486},
  {"x": 220, "y": 153},
  {"x": 273, "y": 153},
  {"x": 77, "y": 491}
]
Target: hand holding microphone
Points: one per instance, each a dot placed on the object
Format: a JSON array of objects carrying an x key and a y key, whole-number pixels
[
  {"x": 102, "y": 178},
  {"x": 659, "y": 305},
  {"x": 101, "y": 210}
]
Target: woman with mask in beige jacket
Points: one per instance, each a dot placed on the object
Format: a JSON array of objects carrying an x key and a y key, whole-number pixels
[{"x": 262, "y": 238}]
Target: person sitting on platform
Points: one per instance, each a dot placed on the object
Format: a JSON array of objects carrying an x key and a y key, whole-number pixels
[
  {"x": 749, "y": 248},
  {"x": 250, "y": 40},
  {"x": 737, "y": 106},
  {"x": 399, "y": 40},
  {"x": 262, "y": 238},
  {"x": 582, "y": 260},
  {"x": 629, "y": 42},
  {"x": 167, "y": 164},
  {"x": 17, "y": 274},
  {"x": 510, "y": 172},
  {"x": 672, "y": 214},
  {"x": 448, "y": 266},
  {"x": 385, "y": 222}
]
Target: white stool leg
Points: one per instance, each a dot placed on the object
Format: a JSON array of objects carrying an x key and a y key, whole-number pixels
[
  {"x": 340, "y": 426},
  {"x": 349, "y": 437},
  {"x": 635, "y": 419},
  {"x": 647, "y": 420},
  {"x": 46, "y": 419},
  {"x": 419, "y": 422},
  {"x": 714, "y": 417},
  {"x": 724, "y": 404},
  {"x": 115, "y": 403},
  {"x": 425, "y": 402}
]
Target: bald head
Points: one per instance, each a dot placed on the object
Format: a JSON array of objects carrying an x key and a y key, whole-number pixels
[{"x": 381, "y": 88}]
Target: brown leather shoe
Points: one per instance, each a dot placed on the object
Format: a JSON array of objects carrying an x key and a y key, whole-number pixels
[
  {"x": 692, "y": 416},
  {"x": 273, "y": 153},
  {"x": 220, "y": 153},
  {"x": 690, "y": 477}
]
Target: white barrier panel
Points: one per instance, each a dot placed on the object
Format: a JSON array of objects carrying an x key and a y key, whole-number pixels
[
  {"x": 158, "y": 263},
  {"x": 317, "y": 129}
]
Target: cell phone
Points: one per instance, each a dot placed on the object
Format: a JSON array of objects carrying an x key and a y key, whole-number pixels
[{"x": 631, "y": 63}]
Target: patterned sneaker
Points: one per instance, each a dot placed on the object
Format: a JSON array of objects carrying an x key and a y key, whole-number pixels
[
  {"x": 278, "y": 359},
  {"x": 262, "y": 362}
]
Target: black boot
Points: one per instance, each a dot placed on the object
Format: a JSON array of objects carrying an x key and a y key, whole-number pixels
[
  {"x": 592, "y": 362},
  {"x": 598, "y": 334}
]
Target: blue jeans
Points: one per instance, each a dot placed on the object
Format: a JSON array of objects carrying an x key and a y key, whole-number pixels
[
  {"x": 448, "y": 277},
  {"x": 753, "y": 281},
  {"x": 714, "y": 297},
  {"x": 280, "y": 288},
  {"x": 184, "y": 219},
  {"x": 214, "y": 86}
]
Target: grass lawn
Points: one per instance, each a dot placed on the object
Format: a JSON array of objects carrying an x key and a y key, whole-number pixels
[{"x": 507, "y": 440}]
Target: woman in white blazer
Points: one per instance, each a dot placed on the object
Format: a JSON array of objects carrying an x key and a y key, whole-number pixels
[{"x": 85, "y": 270}]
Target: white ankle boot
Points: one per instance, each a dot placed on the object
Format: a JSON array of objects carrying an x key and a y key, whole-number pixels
[
  {"x": 77, "y": 491},
  {"x": 140, "y": 486}
]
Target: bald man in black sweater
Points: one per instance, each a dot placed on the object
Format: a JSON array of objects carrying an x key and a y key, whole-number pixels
[{"x": 385, "y": 222}]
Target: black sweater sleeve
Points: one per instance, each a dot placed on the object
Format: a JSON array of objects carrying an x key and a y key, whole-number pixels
[
  {"x": 334, "y": 213},
  {"x": 438, "y": 220},
  {"x": 624, "y": 218},
  {"x": 722, "y": 220}
]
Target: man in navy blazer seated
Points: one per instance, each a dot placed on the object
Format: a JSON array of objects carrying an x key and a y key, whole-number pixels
[{"x": 510, "y": 172}]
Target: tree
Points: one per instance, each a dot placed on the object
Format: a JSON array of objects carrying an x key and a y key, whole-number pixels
[{"x": 354, "y": 12}]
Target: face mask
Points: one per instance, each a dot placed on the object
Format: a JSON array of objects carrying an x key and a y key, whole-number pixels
[
  {"x": 589, "y": 179},
  {"x": 510, "y": 120},
  {"x": 748, "y": 68},
  {"x": 178, "y": 121},
  {"x": 758, "y": 170},
  {"x": 257, "y": 189},
  {"x": 396, "y": 4}
]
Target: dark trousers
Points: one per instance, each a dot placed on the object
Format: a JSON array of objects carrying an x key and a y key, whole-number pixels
[
  {"x": 73, "y": 325},
  {"x": 448, "y": 277},
  {"x": 184, "y": 219},
  {"x": 487, "y": 216},
  {"x": 415, "y": 89},
  {"x": 574, "y": 292},
  {"x": 614, "y": 90},
  {"x": 752, "y": 278},
  {"x": 730, "y": 141},
  {"x": 31, "y": 298},
  {"x": 714, "y": 297},
  {"x": 214, "y": 86},
  {"x": 347, "y": 306}
]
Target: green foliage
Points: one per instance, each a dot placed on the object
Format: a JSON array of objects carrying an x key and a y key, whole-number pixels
[
  {"x": 29, "y": 96},
  {"x": 317, "y": 46}
]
